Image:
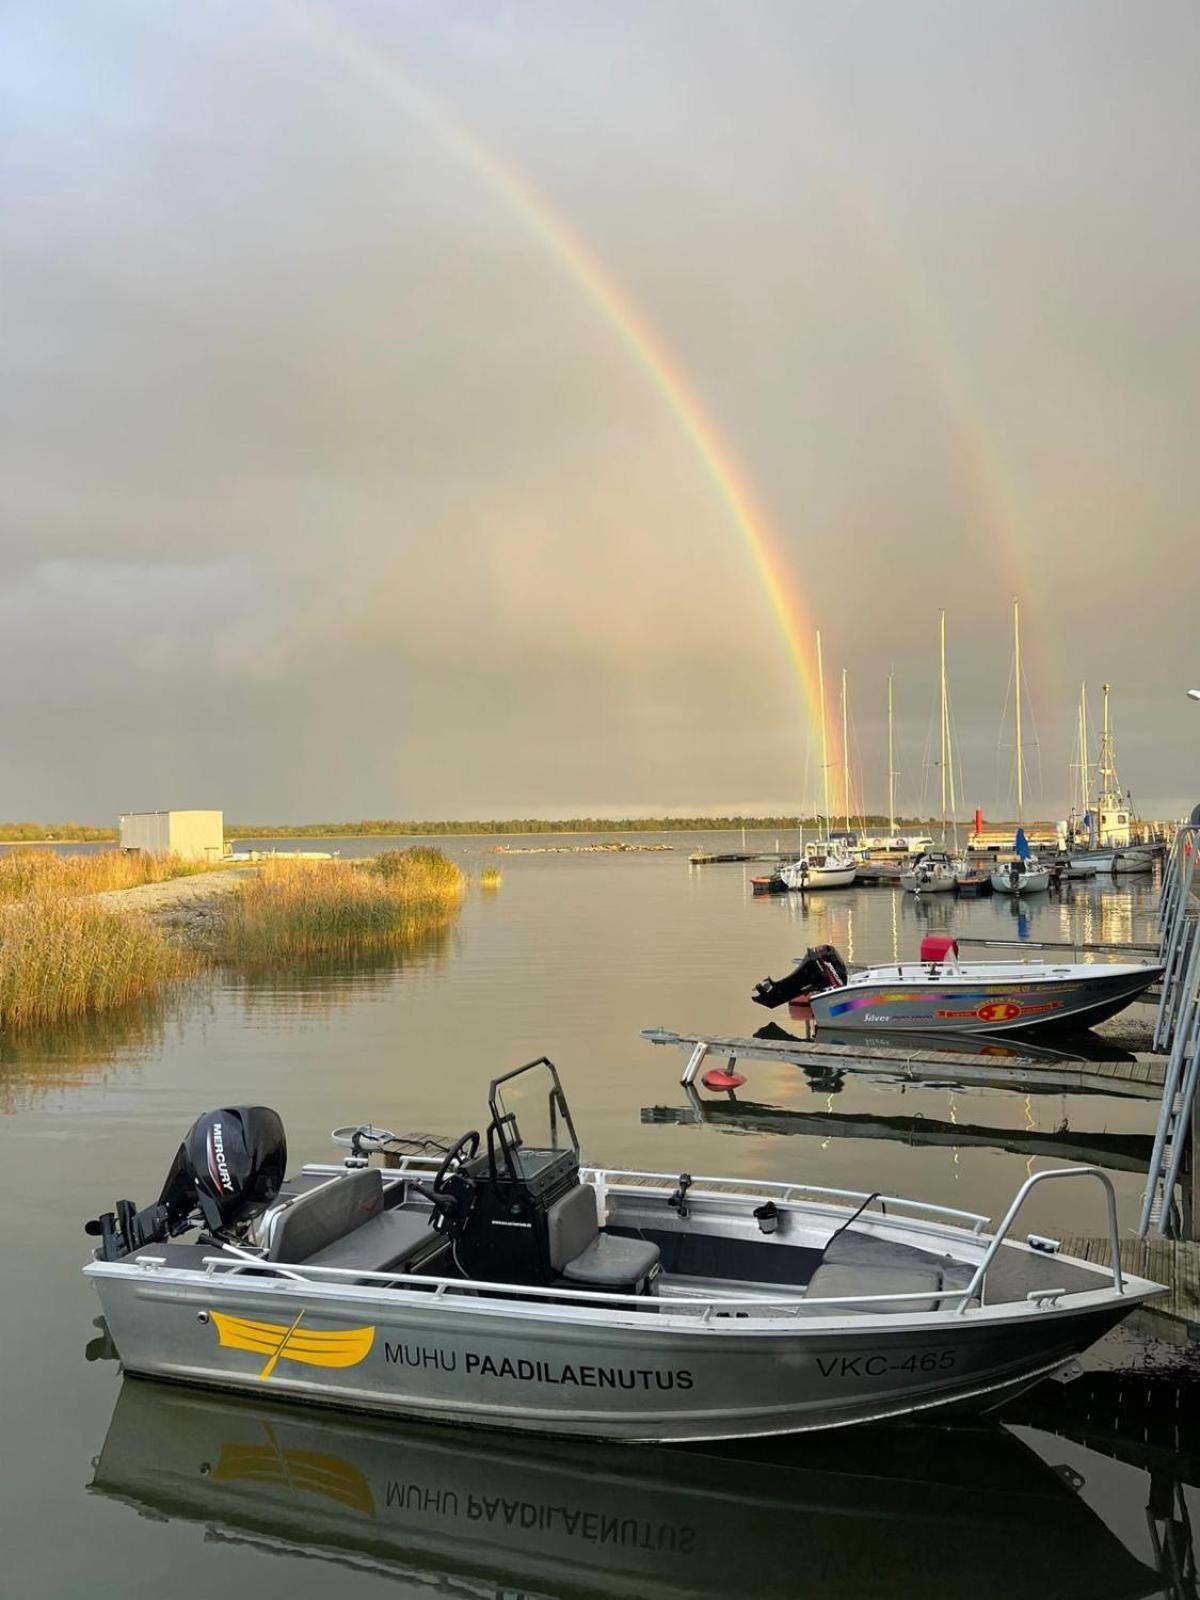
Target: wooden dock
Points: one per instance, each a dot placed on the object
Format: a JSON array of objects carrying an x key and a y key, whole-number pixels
[
  {"x": 1141, "y": 1079},
  {"x": 1175, "y": 1262}
]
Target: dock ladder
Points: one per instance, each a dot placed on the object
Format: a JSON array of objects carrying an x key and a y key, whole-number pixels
[{"x": 1176, "y": 1028}]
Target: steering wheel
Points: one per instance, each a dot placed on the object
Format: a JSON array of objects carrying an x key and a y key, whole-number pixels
[{"x": 450, "y": 1200}]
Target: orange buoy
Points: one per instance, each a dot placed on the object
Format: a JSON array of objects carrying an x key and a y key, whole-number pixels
[{"x": 718, "y": 1078}]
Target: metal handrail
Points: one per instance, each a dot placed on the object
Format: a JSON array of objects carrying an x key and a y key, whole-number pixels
[
  {"x": 704, "y": 1304},
  {"x": 611, "y": 1177},
  {"x": 1018, "y": 1201}
]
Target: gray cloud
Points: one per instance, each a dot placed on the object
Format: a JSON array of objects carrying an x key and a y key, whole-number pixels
[{"x": 324, "y": 488}]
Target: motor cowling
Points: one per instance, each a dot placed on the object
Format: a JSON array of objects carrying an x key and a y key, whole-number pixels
[
  {"x": 821, "y": 968},
  {"x": 231, "y": 1163}
]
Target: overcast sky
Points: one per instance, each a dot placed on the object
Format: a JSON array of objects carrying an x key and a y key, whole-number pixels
[{"x": 326, "y": 491}]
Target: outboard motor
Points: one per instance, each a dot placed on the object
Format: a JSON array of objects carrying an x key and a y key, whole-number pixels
[
  {"x": 229, "y": 1167},
  {"x": 820, "y": 969}
]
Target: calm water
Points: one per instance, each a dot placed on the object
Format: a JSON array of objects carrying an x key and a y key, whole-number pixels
[{"x": 573, "y": 957}]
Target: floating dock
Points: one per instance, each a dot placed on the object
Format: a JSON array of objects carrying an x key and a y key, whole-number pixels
[
  {"x": 1175, "y": 1262},
  {"x": 1141, "y": 1079}
]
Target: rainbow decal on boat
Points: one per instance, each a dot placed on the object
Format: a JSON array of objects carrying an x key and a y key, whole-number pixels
[{"x": 896, "y": 997}]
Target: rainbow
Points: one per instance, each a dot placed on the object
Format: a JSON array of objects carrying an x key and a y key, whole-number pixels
[{"x": 772, "y": 567}]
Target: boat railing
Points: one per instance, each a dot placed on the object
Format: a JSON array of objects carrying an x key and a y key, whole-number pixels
[
  {"x": 650, "y": 1183},
  {"x": 703, "y": 1307},
  {"x": 725, "y": 1188},
  {"x": 1022, "y": 1194}
]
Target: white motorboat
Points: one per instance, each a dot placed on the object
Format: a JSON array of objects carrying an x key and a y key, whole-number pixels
[
  {"x": 940, "y": 993},
  {"x": 822, "y": 866},
  {"x": 497, "y": 1283}
]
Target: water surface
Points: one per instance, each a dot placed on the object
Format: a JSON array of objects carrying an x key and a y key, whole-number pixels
[{"x": 572, "y": 957}]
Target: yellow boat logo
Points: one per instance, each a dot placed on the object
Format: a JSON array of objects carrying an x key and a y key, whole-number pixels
[{"x": 311, "y": 1347}]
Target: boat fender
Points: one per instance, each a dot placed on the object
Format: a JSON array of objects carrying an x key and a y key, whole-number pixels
[{"x": 678, "y": 1201}]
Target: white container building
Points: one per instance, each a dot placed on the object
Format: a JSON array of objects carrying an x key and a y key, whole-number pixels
[{"x": 194, "y": 835}]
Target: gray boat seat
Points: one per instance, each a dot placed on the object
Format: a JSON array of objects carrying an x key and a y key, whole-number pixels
[
  {"x": 343, "y": 1223},
  {"x": 858, "y": 1264},
  {"x": 586, "y": 1258}
]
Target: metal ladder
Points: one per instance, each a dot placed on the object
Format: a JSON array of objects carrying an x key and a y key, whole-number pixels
[{"x": 1176, "y": 1029}]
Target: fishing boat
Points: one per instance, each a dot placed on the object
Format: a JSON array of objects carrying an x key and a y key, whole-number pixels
[
  {"x": 495, "y": 1282},
  {"x": 940, "y": 993}
]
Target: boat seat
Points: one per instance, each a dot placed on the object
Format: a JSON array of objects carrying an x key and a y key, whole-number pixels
[
  {"x": 858, "y": 1264},
  {"x": 344, "y": 1224},
  {"x": 586, "y": 1258}
]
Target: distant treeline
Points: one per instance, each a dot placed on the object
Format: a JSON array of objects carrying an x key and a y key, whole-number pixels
[
  {"x": 77, "y": 833},
  {"x": 353, "y": 830},
  {"x": 44, "y": 832}
]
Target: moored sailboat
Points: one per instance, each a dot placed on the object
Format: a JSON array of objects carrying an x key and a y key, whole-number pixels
[{"x": 1023, "y": 875}]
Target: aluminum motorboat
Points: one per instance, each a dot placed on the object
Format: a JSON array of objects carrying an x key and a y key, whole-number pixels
[
  {"x": 941, "y": 993},
  {"x": 496, "y": 1282}
]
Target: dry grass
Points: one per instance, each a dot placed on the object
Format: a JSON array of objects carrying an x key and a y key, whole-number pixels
[
  {"x": 27, "y": 874},
  {"x": 315, "y": 908},
  {"x": 61, "y": 958},
  {"x": 491, "y": 878}
]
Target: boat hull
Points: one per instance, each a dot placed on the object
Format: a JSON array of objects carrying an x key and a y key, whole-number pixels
[
  {"x": 625, "y": 1376},
  {"x": 1033, "y": 882},
  {"x": 931, "y": 885},
  {"x": 1005, "y": 1006},
  {"x": 810, "y": 878}
]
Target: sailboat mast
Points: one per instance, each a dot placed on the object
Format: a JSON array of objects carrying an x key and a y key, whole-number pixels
[
  {"x": 824, "y": 733},
  {"x": 845, "y": 753},
  {"x": 891, "y": 765},
  {"x": 1017, "y": 700},
  {"x": 1084, "y": 785},
  {"x": 942, "y": 710}
]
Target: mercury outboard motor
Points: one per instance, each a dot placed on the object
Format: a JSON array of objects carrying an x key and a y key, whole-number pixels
[
  {"x": 230, "y": 1166},
  {"x": 821, "y": 968}
]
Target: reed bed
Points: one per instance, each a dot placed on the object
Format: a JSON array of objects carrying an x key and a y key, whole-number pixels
[
  {"x": 491, "y": 878},
  {"x": 62, "y": 958},
  {"x": 29, "y": 874},
  {"x": 312, "y": 908}
]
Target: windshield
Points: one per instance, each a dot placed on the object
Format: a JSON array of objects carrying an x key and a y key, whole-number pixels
[{"x": 535, "y": 1099}]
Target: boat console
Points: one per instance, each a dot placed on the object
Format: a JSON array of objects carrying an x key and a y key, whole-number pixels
[
  {"x": 517, "y": 1211},
  {"x": 509, "y": 1209}
]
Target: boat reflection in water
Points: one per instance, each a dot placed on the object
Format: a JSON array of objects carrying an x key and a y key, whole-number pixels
[{"x": 879, "y": 1512}]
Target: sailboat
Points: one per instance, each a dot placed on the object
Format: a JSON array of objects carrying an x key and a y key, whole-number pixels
[
  {"x": 1022, "y": 876},
  {"x": 1109, "y": 820},
  {"x": 822, "y": 865},
  {"x": 936, "y": 871}
]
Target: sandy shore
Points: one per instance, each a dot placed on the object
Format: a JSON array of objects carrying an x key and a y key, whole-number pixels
[{"x": 183, "y": 903}]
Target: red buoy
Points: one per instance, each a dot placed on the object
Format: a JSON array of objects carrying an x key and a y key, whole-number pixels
[{"x": 718, "y": 1078}]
